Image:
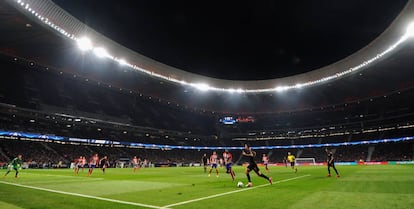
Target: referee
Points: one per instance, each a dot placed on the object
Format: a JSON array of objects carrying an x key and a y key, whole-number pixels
[{"x": 291, "y": 159}]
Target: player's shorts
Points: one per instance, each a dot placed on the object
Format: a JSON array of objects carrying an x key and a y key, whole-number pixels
[
  {"x": 79, "y": 166},
  {"x": 228, "y": 166},
  {"x": 135, "y": 165},
  {"x": 12, "y": 167},
  {"x": 331, "y": 164},
  {"x": 214, "y": 165},
  {"x": 253, "y": 167},
  {"x": 92, "y": 166},
  {"x": 265, "y": 164},
  {"x": 205, "y": 164},
  {"x": 292, "y": 163}
]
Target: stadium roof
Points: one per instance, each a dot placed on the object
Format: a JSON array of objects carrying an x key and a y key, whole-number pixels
[
  {"x": 239, "y": 40},
  {"x": 382, "y": 67}
]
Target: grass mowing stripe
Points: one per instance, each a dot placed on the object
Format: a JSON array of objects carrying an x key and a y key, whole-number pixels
[
  {"x": 63, "y": 181},
  {"x": 83, "y": 195},
  {"x": 62, "y": 176},
  {"x": 231, "y": 192}
]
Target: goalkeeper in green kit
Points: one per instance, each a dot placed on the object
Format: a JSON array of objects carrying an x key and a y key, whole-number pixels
[{"x": 15, "y": 164}]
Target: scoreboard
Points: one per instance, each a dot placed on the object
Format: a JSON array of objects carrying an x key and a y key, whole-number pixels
[{"x": 230, "y": 120}]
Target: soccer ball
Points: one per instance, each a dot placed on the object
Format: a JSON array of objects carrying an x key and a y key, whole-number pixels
[{"x": 240, "y": 184}]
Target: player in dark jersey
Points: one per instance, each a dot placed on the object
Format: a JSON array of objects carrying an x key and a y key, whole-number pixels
[
  {"x": 104, "y": 163},
  {"x": 204, "y": 161},
  {"x": 228, "y": 162},
  {"x": 249, "y": 154},
  {"x": 15, "y": 164},
  {"x": 331, "y": 162},
  {"x": 285, "y": 161}
]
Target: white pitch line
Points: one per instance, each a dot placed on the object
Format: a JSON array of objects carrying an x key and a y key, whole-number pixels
[
  {"x": 83, "y": 195},
  {"x": 231, "y": 192}
]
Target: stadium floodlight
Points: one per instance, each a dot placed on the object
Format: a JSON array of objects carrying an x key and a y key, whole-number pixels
[
  {"x": 239, "y": 91},
  {"x": 100, "y": 52},
  {"x": 299, "y": 85},
  {"x": 202, "y": 86},
  {"x": 84, "y": 44},
  {"x": 122, "y": 62},
  {"x": 281, "y": 88},
  {"x": 410, "y": 30}
]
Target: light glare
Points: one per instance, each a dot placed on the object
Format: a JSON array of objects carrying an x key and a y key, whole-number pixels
[
  {"x": 299, "y": 85},
  {"x": 281, "y": 88},
  {"x": 100, "y": 52},
  {"x": 84, "y": 44},
  {"x": 202, "y": 86},
  {"x": 122, "y": 62},
  {"x": 410, "y": 30}
]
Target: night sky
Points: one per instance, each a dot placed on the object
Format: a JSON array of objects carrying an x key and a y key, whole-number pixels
[{"x": 241, "y": 40}]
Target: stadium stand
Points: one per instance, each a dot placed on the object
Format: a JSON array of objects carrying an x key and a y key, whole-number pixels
[{"x": 48, "y": 102}]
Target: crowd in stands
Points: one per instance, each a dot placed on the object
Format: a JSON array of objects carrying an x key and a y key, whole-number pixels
[
  {"x": 45, "y": 91},
  {"x": 50, "y": 154}
]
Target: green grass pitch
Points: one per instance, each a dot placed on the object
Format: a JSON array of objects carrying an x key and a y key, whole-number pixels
[{"x": 368, "y": 187}]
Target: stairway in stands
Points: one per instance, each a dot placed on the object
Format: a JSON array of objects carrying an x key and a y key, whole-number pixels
[
  {"x": 53, "y": 151},
  {"x": 4, "y": 155}
]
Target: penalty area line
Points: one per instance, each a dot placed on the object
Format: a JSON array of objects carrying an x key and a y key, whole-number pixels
[
  {"x": 232, "y": 192},
  {"x": 84, "y": 195}
]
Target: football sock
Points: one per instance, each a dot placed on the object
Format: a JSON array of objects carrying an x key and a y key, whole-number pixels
[
  {"x": 264, "y": 176},
  {"x": 335, "y": 171}
]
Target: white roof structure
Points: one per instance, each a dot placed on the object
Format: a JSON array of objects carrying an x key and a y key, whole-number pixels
[{"x": 60, "y": 21}]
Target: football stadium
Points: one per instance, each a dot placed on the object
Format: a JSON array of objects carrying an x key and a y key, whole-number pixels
[{"x": 206, "y": 104}]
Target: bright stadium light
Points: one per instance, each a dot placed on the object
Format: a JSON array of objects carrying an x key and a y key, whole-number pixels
[
  {"x": 202, "y": 86},
  {"x": 84, "y": 44},
  {"x": 410, "y": 30},
  {"x": 100, "y": 52},
  {"x": 122, "y": 62},
  {"x": 281, "y": 88},
  {"x": 239, "y": 91},
  {"x": 299, "y": 85}
]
